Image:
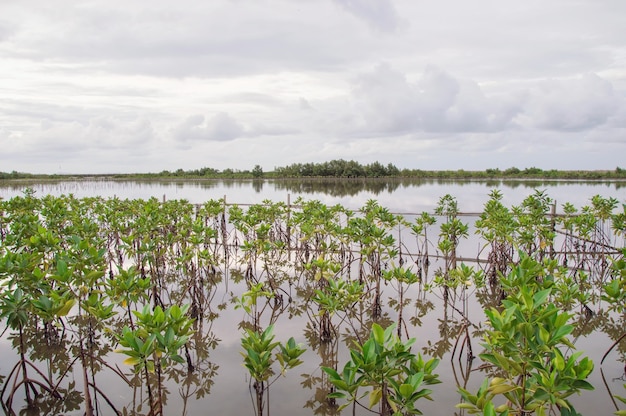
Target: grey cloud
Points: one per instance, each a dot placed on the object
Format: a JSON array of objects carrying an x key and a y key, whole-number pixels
[
  {"x": 99, "y": 132},
  {"x": 389, "y": 103},
  {"x": 116, "y": 75},
  {"x": 438, "y": 102},
  {"x": 221, "y": 127},
  {"x": 380, "y": 14},
  {"x": 386, "y": 100},
  {"x": 251, "y": 98},
  {"x": 304, "y": 104},
  {"x": 262, "y": 129},
  {"x": 24, "y": 112},
  {"x": 213, "y": 40},
  {"x": 56, "y": 140},
  {"x": 7, "y": 29},
  {"x": 574, "y": 104}
]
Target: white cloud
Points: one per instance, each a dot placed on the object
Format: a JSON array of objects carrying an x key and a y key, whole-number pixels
[
  {"x": 436, "y": 102},
  {"x": 388, "y": 103},
  {"x": 111, "y": 84},
  {"x": 380, "y": 14},
  {"x": 220, "y": 127},
  {"x": 572, "y": 104}
]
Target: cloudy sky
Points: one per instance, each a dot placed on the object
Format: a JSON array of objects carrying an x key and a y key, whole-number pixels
[{"x": 103, "y": 86}]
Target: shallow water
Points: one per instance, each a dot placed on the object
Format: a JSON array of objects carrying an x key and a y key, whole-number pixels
[{"x": 221, "y": 373}]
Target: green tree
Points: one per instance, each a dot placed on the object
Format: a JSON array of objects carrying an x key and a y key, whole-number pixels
[{"x": 257, "y": 172}]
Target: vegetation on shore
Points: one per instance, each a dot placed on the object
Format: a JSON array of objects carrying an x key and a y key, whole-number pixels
[{"x": 346, "y": 169}]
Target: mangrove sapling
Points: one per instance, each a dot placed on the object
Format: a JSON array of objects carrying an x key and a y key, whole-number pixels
[
  {"x": 618, "y": 225},
  {"x": 154, "y": 344},
  {"x": 578, "y": 228},
  {"x": 28, "y": 294},
  {"x": 450, "y": 233},
  {"x": 212, "y": 217},
  {"x": 527, "y": 344},
  {"x": 457, "y": 286},
  {"x": 127, "y": 289},
  {"x": 15, "y": 308},
  {"x": 394, "y": 377},
  {"x": 198, "y": 267},
  {"x": 401, "y": 276},
  {"x": 420, "y": 230},
  {"x": 376, "y": 245},
  {"x": 614, "y": 291},
  {"x": 337, "y": 295},
  {"x": 198, "y": 378},
  {"x": 588, "y": 238},
  {"x": 497, "y": 226},
  {"x": 258, "y": 348},
  {"x": 249, "y": 302},
  {"x": 83, "y": 270},
  {"x": 535, "y": 227},
  {"x": 263, "y": 239},
  {"x": 601, "y": 244},
  {"x": 317, "y": 228}
]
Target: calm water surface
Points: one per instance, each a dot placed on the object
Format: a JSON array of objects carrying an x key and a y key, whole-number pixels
[
  {"x": 397, "y": 195},
  {"x": 229, "y": 394}
]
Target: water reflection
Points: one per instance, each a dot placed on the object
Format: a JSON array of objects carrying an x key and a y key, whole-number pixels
[
  {"x": 212, "y": 276},
  {"x": 338, "y": 187},
  {"x": 399, "y": 195}
]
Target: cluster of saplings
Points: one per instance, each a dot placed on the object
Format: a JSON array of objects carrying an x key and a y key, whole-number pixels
[
  {"x": 340, "y": 168},
  {"x": 82, "y": 280}
]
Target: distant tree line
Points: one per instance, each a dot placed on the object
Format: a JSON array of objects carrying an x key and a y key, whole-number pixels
[
  {"x": 350, "y": 169},
  {"x": 338, "y": 169}
]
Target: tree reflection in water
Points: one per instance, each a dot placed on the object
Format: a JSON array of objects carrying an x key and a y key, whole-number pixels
[{"x": 319, "y": 275}]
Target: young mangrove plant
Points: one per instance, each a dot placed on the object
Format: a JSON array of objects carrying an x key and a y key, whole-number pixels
[
  {"x": 400, "y": 276},
  {"x": 451, "y": 231},
  {"x": 615, "y": 289},
  {"x": 391, "y": 375},
  {"x": 535, "y": 227},
  {"x": 420, "y": 231},
  {"x": 154, "y": 344},
  {"x": 528, "y": 348},
  {"x": 249, "y": 302},
  {"x": 377, "y": 246},
  {"x": 15, "y": 308},
  {"x": 260, "y": 352},
  {"x": 497, "y": 227},
  {"x": 338, "y": 295}
]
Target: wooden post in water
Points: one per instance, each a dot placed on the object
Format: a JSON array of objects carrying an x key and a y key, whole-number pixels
[
  {"x": 224, "y": 237},
  {"x": 553, "y": 229},
  {"x": 288, "y": 226}
]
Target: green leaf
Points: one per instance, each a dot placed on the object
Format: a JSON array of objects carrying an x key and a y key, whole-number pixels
[
  {"x": 562, "y": 332},
  {"x": 65, "y": 309},
  {"x": 502, "y": 388},
  {"x": 378, "y": 333},
  {"x": 406, "y": 390},
  {"x": 540, "y": 297},
  {"x": 132, "y": 361},
  {"x": 488, "y": 410},
  {"x": 582, "y": 384},
  {"x": 375, "y": 397},
  {"x": 468, "y": 406}
]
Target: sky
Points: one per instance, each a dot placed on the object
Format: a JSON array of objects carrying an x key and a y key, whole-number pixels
[{"x": 111, "y": 86}]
